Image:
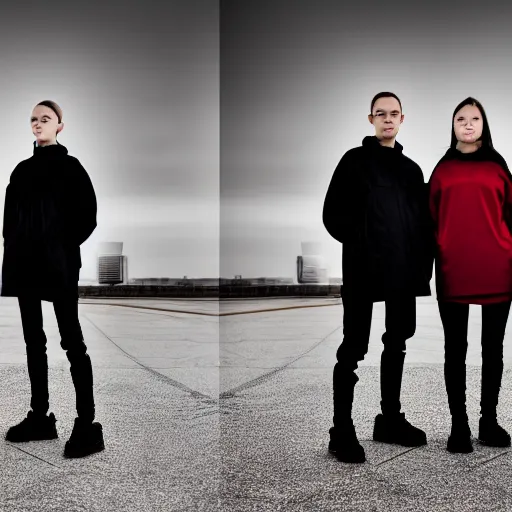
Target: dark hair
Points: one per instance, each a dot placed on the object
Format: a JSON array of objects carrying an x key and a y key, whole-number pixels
[
  {"x": 384, "y": 95},
  {"x": 51, "y": 104},
  {"x": 486, "y": 132}
]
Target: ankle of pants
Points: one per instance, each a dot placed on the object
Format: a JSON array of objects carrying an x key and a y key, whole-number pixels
[
  {"x": 391, "y": 372},
  {"x": 342, "y": 410},
  {"x": 390, "y": 409},
  {"x": 459, "y": 416},
  {"x": 40, "y": 412},
  {"x": 488, "y": 414},
  {"x": 344, "y": 381}
]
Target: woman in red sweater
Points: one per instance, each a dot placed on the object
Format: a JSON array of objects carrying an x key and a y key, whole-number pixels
[{"x": 471, "y": 203}]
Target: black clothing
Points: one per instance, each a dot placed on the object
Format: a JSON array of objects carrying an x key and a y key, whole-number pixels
[
  {"x": 344, "y": 444},
  {"x": 50, "y": 210},
  {"x": 377, "y": 207},
  {"x": 35, "y": 427},
  {"x": 454, "y": 317},
  {"x": 357, "y": 317},
  {"x": 459, "y": 440},
  {"x": 395, "y": 429},
  {"x": 491, "y": 433},
  {"x": 86, "y": 439},
  {"x": 72, "y": 341}
]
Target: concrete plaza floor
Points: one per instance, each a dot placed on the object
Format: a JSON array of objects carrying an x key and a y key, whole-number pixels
[
  {"x": 156, "y": 388},
  {"x": 276, "y": 409},
  {"x": 159, "y": 393}
]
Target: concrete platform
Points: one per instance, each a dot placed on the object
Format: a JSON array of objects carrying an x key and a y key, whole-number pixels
[
  {"x": 158, "y": 384},
  {"x": 276, "y": 409},
  {"x": 156, "y": 388}
]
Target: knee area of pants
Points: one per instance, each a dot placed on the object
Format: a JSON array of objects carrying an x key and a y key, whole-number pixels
[
  {"x": 394, "y": 345},
  {"x": 394, "y": 351},
  {"x": 38, "y": 349},
  {"x": 77, "y": 350},
  {"x": 73, "y": 344},
  {"x": 410, "y": 334},
  {"x": 492, "y": 353},
  {"x": 456, "y": 341},
  {"x": 77, "y": 356},
  {"x": 347, "y": 355},
  {"x": 455, "y": 361}
]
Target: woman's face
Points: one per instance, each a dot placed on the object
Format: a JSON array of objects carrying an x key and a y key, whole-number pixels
[
  {"x": 45, "y": 124},
  {"x": 468, "y": 124}
]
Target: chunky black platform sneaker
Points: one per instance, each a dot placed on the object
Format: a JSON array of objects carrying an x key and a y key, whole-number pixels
[
  {"x": 492, "y": 434},
  {"x": 86, "y": 439},
  {"x": 395, "y": 429},
  {"x": 35, "y": 427},
  {"x": 345, "y": 445},
  {"x": 460, "y": 437}
]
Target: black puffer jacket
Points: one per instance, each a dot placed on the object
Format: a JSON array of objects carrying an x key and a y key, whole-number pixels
[
  {"x": 377, "y": 207},
  {"x": 50, "y": 210}
]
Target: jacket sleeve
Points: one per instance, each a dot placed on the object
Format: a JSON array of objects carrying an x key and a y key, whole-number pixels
[
  {"x": 83, "y": 221},
  {"x": 339, "y": 211},
  {"x": 7, "y": 221},
  {"x": 507, "y": 204},
  {"x": 10, "y": 214},
  {"x": 433, "y": 197},
  {"x": 428, "y": 229},
  {"x": 507, "y": 200}
]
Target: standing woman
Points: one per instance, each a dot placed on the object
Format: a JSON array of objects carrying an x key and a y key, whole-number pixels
[
  {"x": 471, "y": 204},
  {"x": 50, "y": 210}
]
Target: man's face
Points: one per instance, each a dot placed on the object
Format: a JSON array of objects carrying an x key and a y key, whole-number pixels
[
  {"x": 386, "y": 117},
  {"x": 45, "y": 124}
]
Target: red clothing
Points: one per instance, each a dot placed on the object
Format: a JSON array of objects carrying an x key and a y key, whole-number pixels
[{"x": 468, "y": 199}]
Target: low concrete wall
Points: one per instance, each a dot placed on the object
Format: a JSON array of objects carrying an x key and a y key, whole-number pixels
[
  {"x": 295, "y": 290},
  {"x": 148, "y": 291},
  {"x": 226, "y": 291}
]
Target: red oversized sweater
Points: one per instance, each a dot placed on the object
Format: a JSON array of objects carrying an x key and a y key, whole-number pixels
[{"x": 468, "y": 201}]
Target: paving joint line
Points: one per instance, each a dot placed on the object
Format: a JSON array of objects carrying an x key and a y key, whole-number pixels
[
  {"x": 229, "y": 313},
  {"x": 32, "y": 455},
  {"x": 396, "y": 456},
  {"x": 262, "y": 378},
  {"x": 490, "y": 459},
  {"x": 150, "y": 308},
  {"x": 196, "y": 394},
  {"x": 270, "y": 310}
]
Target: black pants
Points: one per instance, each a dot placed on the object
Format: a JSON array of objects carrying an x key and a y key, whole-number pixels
[
  {"x": 357, "y": 318},
  {"x": 72, "y": 341},
  {"x": 454, "y": 317}
]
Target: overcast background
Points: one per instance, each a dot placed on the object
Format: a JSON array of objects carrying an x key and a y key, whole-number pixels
[
  {"x": 297, "y": 78},
  {"x": 138, "y": 83}
]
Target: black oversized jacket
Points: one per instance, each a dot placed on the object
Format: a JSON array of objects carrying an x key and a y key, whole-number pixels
[
  {"x": 50, "y": 210},
  {"x": 377, "y": 207}
]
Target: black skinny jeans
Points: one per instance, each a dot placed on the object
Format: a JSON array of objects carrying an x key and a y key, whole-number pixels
[
  {"x": 357, "y": 319},
  {"x": 454, "y": 317},
  {"x": 72, "y": 341}
]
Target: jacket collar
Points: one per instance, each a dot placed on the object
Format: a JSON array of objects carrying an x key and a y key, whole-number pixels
[
  {"x": 372, "y": 142},
  {"x": 52, "y": 150}
]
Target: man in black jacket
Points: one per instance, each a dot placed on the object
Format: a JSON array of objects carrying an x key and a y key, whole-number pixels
[
  {"x": 49, "y": 211},
  {"x": 376, "y": 206}
]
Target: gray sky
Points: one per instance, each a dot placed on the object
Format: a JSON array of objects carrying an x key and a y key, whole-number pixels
[
  {"x": 138, "y": 84},
  {"x": 297, "y": 78}
]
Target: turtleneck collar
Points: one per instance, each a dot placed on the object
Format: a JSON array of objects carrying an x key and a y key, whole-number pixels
[
  {"x": 372, "y": 142},
  {"x": 482, "y": 153},
  {"x": 52, "y": 150}
]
